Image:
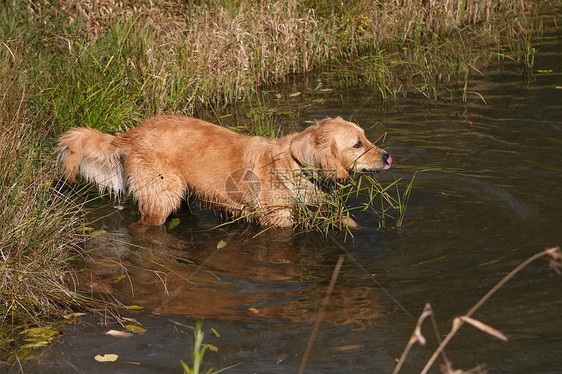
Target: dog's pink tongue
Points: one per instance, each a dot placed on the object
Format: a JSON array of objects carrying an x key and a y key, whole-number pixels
[{"x": 388, "y": 162}]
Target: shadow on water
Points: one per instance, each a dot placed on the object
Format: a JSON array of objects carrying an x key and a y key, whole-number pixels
[{"x": 491, "y": 200}]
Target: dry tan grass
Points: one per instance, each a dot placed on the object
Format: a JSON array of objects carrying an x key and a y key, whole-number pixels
[{"x": 212, "y": 51}]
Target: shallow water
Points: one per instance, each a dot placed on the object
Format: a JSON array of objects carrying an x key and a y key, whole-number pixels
[{"x": 491, "y": 200}]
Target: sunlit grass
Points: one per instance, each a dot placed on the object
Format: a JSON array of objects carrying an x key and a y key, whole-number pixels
[{"x": 384, "y": 203}]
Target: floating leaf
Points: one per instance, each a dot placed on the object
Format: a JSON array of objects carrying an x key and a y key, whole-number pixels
[
  {"x": 221, "y": 244},
  {"x": 136, "y": 329},
  {"x": 130, "y": 320},
  {"x": 544, "y": 71},
  {"x": 119, "y": 334},
  {"x": 173, "y": 223},
  {"x": 254, "y": 310},
  {"x": 73, "y": 315},
  {"x": 37, "y": 344},
  {"x": 119, "y": 207},
  {"x": 210, "y": 347},
  {"x": 108, "y": 357},
  {"x": 134, "y": 307},
  {"x": 350, "y": 347},
  {"x": 215, "y": 332}
]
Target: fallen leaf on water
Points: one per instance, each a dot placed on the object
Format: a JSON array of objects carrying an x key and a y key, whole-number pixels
[
  {"x": 119, "y": 334},
  {"x": 131, "y": 320},
  {"x": 173, "y": 223},
  {"x": 282, "y": 357},
  {"x": 136, "y": 329},
  {"x": 119, "y": 207},
  {"x": 38, "y": 344},
  {"x": 108, "y": 357},
  {"x": 254, "y": 310},
  {"x": 73, "y": 315},
  {"x": 221, "y": 244},
  {"x": 210, "y": 347},
  {"x": 350, "y": 347},
  {"x": 544, "y": 71},
  {"x": 215, "y": 332}
]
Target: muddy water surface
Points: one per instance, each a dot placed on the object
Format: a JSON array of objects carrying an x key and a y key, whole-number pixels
[{"x": 491, "y": 200}]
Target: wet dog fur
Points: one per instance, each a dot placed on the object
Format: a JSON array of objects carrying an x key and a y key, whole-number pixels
[{"x": 167, "y": 158}]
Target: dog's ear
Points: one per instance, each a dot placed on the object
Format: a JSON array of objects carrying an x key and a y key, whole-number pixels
[
  {"x": 302, "y": 148},
  {"x": 315, "y": 148},
  {"x": 331, "y": 164}
]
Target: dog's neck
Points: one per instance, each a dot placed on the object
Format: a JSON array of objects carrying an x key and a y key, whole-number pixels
[{"x": 314, "y": 176}]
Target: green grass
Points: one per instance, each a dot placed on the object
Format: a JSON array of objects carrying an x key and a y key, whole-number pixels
[
  {"x": 363, "y": 194},
  {"x": 198, "y": 352}
]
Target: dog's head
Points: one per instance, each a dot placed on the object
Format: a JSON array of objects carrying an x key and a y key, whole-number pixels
[{"x": 336, "y": 147}]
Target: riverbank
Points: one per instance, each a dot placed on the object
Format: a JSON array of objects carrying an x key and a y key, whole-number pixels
[{"x": 109, "y": 65}]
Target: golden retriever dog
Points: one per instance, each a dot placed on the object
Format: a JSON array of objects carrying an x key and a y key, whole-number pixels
[{"x": 167, "y": 158}]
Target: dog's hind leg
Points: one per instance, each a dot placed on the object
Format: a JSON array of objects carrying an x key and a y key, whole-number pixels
[{"x": 158, "y": 195}]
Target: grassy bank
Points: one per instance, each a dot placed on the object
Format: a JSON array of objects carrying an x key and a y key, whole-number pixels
[{"x": 109, "y": 64}]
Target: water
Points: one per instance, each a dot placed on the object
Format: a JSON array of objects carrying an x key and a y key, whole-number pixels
[{"x": 491, "y": 200}]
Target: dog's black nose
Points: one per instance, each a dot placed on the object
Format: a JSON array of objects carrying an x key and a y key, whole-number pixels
[{"x": 387, "y": 159}]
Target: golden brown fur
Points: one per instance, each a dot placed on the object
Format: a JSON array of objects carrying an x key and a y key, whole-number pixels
[{"x": 167, "y": 157}]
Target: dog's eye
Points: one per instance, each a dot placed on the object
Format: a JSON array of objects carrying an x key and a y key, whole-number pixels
[{"x": 359, "y": 144}]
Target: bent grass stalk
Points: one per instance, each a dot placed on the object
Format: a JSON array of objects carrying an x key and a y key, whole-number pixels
[{"x": 555, "y": 257}]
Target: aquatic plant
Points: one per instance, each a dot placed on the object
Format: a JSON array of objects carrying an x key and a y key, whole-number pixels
[
  {"x": 336, "y": 209},
  {"x": 198, "y": 352}
]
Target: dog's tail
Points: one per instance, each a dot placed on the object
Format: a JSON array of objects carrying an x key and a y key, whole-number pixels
[{"x": 91, "y": 154}]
